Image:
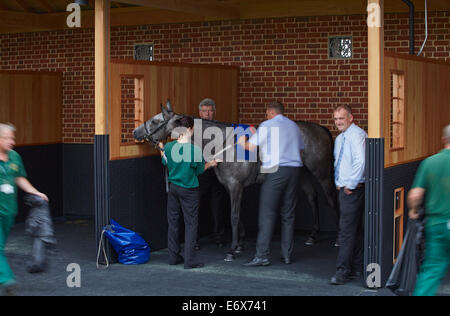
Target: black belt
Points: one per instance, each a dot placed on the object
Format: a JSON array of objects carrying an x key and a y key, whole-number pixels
[{"x": 360, "y": 185}]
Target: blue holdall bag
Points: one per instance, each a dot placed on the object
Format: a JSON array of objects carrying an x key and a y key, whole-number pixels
[{"x": 130, "y": 247}]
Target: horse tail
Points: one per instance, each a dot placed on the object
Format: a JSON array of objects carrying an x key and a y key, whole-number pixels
[{"x": 330, "y": 136}]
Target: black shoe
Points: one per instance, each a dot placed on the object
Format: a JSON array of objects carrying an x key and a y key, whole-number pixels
[
  {"x": 258, "y": 262},
  {"x": 219, "y": 243},
  {"x": 195, "y": 266},
  {"x": 286, "y": 260},
  {"x": 35, "y": 268},
  {"x": 178, "y": 260},
  {"x": 197, "y": 247},
  {"x": 8, "y": 290},
  {"x": 339, "y": 279},
  {"x": 310, "y": 241},
  {"x": 355, "y": 275}
]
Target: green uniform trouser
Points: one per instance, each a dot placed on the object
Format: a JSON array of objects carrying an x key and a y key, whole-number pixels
[
  {"x": 436, "y": 262},
  {"x": 6, "y": 275}
]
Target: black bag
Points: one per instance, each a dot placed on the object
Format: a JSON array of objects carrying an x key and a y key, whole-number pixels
[
  {"x": 39, "y": 226},
  {"x": 402, "y": 279}
]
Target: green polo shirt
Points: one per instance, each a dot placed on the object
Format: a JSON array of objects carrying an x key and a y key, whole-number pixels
[
  {"x": 433, "y": 175},
  {"x": 184, "y": 162},
  {"x": 9, "y": 171}
]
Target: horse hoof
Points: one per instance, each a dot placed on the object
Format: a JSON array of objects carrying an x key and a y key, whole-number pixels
[{"x": 229, "y": 257}]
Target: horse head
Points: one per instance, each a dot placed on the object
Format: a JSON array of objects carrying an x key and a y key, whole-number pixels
[{"x": 158, "y": 127}]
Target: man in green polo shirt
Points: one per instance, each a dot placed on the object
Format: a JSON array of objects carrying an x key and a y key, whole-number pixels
[
  {"x": 433, "y": 178},
  {"x": 12, "y": 175}
]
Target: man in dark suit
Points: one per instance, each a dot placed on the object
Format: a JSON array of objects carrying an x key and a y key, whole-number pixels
[{"x": 211, "y": 190}]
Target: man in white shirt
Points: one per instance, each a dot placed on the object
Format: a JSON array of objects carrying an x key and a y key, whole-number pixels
[
  {"x": 280, "y": 142},
  {"x": 349, "y": 164}
]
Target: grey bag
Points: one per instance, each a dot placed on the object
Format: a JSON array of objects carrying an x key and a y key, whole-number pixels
[{"x": 39, "y": 225}]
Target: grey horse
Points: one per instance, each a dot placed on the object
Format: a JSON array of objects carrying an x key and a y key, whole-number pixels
[{"x": 237, "y": 174}]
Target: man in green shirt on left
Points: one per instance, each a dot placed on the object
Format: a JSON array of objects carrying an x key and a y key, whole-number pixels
[
  {"x": 12, "y": 175},
  {"x": 184, "y": 162}
]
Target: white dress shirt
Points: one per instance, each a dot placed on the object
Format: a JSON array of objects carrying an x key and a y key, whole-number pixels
[
  {"x": 349, "y": 157},
  {"x": 280, "y": 142}
]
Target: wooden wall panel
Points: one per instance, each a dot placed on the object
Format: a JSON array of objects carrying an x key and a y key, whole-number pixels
[
  {"x": 184, "y": 84},
  {"x": 427, "y": 106},
  {"x": 32, "y": 101}
]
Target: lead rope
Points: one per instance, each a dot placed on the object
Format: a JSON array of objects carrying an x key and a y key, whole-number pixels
[{"x": 102, "y": 246}]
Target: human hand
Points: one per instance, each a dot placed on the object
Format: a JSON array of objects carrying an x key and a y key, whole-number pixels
[
  {"x": 241, "y": 140},
  {"x": 413, "y": 214},
  {"x": 348, "y": 191},
  {"x": 213, "y": 163},
  {"x": 41, "y": 195}
]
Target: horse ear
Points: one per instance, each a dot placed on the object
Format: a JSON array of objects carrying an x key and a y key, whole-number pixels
[
  {"x": 166, "y": 114},
  {"x": 169, "y": 105}
]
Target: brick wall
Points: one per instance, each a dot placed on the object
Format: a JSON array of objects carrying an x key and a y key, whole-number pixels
[{"x": 284, "y": 59}]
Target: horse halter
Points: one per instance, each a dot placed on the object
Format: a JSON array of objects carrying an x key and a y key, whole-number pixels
[{"x": 148, "y": 136}]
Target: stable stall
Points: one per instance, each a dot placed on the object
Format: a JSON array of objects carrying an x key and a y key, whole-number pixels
[
  {"x": 135, "y": 176},
  {"x": 415, "y": 109}
]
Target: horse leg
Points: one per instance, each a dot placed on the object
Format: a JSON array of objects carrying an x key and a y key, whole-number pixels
[
  {"x": 331, "y": 194},
  {"x": 235, "y": 198},
  {"x": 311, "y": 194},
  {"x": 241, "y": 237}
]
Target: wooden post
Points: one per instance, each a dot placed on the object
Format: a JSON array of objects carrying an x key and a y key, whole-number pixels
[
  {"x": 375, "y": 22},
  {"x": 374, "y": 146},
  {"x": 101, "y": 138},
  {"x": 102, "y": 26}
]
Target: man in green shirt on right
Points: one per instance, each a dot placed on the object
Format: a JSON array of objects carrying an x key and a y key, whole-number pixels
[{"x": 433, "y": 179}]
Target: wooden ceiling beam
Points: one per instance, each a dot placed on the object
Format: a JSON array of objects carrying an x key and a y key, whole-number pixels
[
  {"x": 3, "y": 6},
  {"x": 46, "y": 6},
  {"x": 16, "y": 22},
  {"x": 25, "y": 6},
  {"x": 197, "y": 7},
  {"x": 255, "y": 9},
  {"x": 20, "y": 22}
]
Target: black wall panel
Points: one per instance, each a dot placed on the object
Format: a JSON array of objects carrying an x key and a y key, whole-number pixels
[
  {"x": 78, "y": 180},
  {"x": 138, "y": 198}
]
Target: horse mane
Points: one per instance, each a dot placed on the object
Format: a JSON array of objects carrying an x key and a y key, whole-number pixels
[{"x": 214, "y": 122}]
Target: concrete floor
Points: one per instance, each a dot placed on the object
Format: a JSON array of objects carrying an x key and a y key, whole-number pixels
[{"x": 308, "y": 275}]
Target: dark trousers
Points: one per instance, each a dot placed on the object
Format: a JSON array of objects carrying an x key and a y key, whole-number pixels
[
  {"x": 351, "y": 235},
  {"x": 212, "y": 193},
  {"x": 279, "y": 189},
  {"x": 187, "y": 201}
]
